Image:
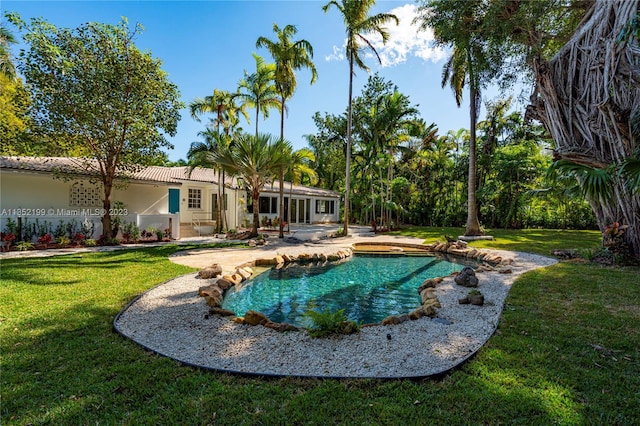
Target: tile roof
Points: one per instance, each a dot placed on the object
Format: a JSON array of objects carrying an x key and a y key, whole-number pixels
[{"x": 160, "y": 174}]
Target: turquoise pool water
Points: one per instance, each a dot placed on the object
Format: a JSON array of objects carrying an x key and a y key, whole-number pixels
[{"x": 368, "y": 288}]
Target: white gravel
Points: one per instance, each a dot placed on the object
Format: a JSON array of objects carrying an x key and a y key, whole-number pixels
[{"x": 170, "y": 320}]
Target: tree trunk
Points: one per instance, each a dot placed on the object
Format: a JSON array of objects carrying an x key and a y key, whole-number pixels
[
  {"x": 585, "y": 97},
  {"x": 106, "y": 217},
  {"x": 347, "y": 188},
  {"x": 256, "y": 213},
  {"x": 473, "y": 223},
  {"x": 219, "y": 205},
  {"x": 281, "y": 177}
]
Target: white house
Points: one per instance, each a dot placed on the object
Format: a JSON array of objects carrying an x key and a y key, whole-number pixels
[{"x": 159, "y": 197}]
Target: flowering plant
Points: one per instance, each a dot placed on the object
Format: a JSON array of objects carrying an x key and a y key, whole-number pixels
[
  {"x": 8, "y": 236},
  {"x": 45, "y": 239},
  {"x": 78, "y": 237}
]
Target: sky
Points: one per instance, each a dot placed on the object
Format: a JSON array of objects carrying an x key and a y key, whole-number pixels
[{"x": 209, "y": 44}]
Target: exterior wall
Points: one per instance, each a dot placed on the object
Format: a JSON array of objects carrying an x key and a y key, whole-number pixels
[
  {"x": 311, "y": 217},
  {"x": 40, "y": 196},
  {"x": 206, "y": 212}
]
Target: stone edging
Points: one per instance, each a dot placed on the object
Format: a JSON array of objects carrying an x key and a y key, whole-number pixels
[{"x": 214, "y": 292}]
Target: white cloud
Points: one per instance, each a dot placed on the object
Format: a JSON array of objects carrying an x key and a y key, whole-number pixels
[
  {"x": 337, "y": 55},
  {"x": 404, "y": 41}
]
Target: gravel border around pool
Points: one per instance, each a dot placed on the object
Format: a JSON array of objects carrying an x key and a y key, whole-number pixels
[{"x": 170, "y": 320}]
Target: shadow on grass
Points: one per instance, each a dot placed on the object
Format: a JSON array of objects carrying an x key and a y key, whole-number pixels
[{"x": 63, "y": 364}]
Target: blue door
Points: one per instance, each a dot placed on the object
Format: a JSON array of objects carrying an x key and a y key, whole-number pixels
[{"x": 174, "y": 200}]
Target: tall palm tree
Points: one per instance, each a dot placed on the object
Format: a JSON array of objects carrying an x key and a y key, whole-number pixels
[
  {"x": 458, "y": 70},
  {"x": 258, "y": 89},
  {"x": 355, "y": 14},
  {"x": 223, "y": 104},
  {"x": 256, "y": 159},
  {"x": 297, "y": 167},
  {"x": 289, "y": 56}
]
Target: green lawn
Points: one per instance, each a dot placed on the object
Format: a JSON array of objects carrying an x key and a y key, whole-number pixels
[{"x": 567, "y": 351}]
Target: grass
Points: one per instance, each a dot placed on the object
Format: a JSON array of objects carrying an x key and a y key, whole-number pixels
[
  {"x": 540, "y": 241},
  {"x": 567, "y": 351}
]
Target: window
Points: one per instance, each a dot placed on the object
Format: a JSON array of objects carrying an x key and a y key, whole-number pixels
[
  {"x": 85, "y": 194},
  {"x": 266, "y": 205},
  {"x": 195, "y": 198},
  {"x": 325, "y": 206}
]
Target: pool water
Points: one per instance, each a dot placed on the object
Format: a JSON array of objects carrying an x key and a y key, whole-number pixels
[{"x": 368, "y": 288}]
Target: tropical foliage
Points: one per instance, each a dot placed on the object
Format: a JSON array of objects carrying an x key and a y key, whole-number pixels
[
  {"x": 358, "y": 23},
  {"x": 92, "y": 87}
]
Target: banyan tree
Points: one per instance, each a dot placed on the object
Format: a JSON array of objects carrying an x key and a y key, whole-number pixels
[{"x": 588, "y": 98}]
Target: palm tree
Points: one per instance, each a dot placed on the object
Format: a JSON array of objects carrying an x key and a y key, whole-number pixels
[
  {"x": 256, "y": 159},
  {"x": 456, "y": 71},
  {"x": 203, "y": 154},
  {"x": 297, "y": 167},
  {"x": 6, "y": 64},
  {"x": 259, "y": 90},
  {"x": 289, "y": 56},
  {"x": 223, "y": 104},
  {"x": 355, "y": 14}
]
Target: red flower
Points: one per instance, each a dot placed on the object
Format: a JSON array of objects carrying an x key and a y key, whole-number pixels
[
  {"x": 45, "y": 239},
  {"x": 7, "y": 236}
]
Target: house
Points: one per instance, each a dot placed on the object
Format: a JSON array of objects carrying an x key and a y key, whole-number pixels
[{"x": 57, "y": 188}]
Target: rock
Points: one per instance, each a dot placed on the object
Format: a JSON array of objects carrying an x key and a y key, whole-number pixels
[
  {"x": 278, "y": 260},
  {"x": 251, "y": 243},
  {"x": 235, "y": 278},
  {"x": 458, "y": 252},
  {"x": 464, "y": 300},
  {"x": 255, "y": 318},
  {"x": 261, "y": 242},
  {"x": 391, "y": 320},
  {"x": 505, "y": 270},
  {"x": 432, "y": 302},
  {"x": 428, "y": 293},
  {"x": 265, "y": 262},
  {"x": 477, "y": 299},
  {"x": 281, "y": 326},
  {"x": 210, "y": 290},
  {"x": 243, "y": 273},
  {"x": 472, "y": 253},
  {"x": 210, "y": 271},
  {"x": 429, "y": 283},
  {"x": 221, "y": 312},
  {"x": 224, "y": 284},
  {"x": 238, "y": 320},
  {"x": 213, "y": 301},
  {"x": 467, "y": 278},
  {"x": 304, "y": 258},
  {"x": 322, "y": 257},
  {"x": 422, "y": 311},
  {"x": 333, "y": 258},
  {"x": 462, "y": 244},
  {"x": 286, "y": 258}
]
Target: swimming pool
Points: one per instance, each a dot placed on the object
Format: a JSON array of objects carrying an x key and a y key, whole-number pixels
[{"x": 368, "y": 288}]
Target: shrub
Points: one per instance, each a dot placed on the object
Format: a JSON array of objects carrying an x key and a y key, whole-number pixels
[
  {"x": 63, "y": 240},
  {"x": 327, "y": 323},
  {"x": 89, "y": 242},
  {"x": 24, "y": 246}
]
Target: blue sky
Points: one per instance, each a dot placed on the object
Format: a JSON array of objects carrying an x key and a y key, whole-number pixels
[{"x": 208, "y": 44}]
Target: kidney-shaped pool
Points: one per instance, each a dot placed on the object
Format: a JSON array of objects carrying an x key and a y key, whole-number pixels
[{"x": 368, "y": 288}]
